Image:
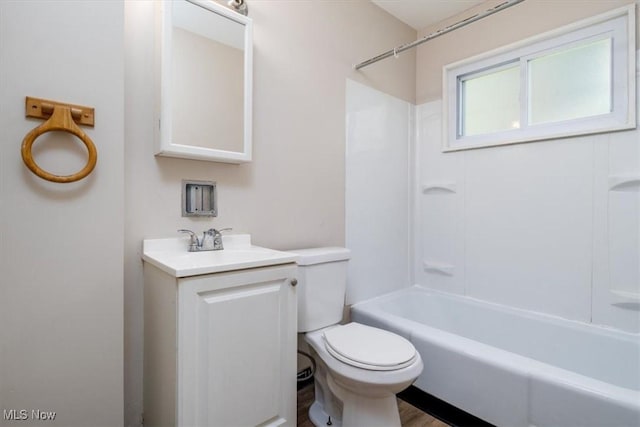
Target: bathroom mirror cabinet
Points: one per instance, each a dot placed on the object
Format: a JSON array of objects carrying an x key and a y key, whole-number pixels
[{"x": 205, "y": 84}]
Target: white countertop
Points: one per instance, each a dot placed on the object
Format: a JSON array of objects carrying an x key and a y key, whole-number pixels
[{"x": 173, "y": 257}]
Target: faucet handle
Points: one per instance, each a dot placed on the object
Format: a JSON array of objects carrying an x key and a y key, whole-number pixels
[
  {"x": 191, "y": 233},
  {"x": 217, "y": 237},
  {"x": 214, "y": 232},
  {"x": 193, "y": 244}
]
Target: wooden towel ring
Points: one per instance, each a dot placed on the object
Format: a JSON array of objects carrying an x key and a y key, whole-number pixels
[{"x": 62, "y": 120}]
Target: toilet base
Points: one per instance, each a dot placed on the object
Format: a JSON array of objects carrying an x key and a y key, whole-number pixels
[
  {"x": 337, "y": 406},
  {"x": 366, "y": 411},
  {"x": 326, "y": 407},
  {"x": 359, "y": 411},
  {"x": 319, "y": 418}
]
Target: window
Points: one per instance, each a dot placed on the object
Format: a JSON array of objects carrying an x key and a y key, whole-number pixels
[{"x": 573, "y": 81}]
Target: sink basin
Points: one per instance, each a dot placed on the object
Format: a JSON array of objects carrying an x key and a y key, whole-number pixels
[{"x": 173, "y": 257}]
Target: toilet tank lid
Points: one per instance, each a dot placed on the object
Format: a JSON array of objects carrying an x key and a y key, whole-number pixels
[{"x": 321, "y": 255}]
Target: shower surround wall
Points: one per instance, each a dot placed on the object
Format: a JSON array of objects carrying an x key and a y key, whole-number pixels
[
  {"x": 534, "y": 226},
  {"x": 377, "y": 206}
]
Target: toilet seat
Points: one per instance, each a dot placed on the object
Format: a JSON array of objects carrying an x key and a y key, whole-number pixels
[{"x": 369, "y": 348}]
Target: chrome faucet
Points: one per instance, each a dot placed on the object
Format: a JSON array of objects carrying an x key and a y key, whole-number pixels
[{"x": 211, "y": 240}]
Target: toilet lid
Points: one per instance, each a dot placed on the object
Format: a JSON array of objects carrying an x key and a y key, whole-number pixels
[{"x": 369, "y": 348}]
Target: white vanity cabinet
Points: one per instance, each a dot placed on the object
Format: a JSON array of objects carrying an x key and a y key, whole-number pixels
[{"x": 220, "y": 348}]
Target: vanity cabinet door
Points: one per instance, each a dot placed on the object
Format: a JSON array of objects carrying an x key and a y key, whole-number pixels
[{"x": 237, "y": 348}]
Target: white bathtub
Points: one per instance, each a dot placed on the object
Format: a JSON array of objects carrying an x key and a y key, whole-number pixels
[{"x": 512, "y": 367}]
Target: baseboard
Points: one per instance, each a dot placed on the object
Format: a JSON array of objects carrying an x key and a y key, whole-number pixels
[{"x": 440, "y": 409}]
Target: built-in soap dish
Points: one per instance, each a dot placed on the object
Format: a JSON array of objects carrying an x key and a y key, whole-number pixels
[
  {"x": 627, "y": 295},
  {"x": 439, "y": 187},
  {"x": 624, "y": 183},
  {"x": 438, "y": 268}
]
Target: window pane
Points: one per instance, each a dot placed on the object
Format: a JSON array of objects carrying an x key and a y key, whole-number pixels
[
  {"x": 491, "y": 102},
  {"x": 570, "y": 84}
]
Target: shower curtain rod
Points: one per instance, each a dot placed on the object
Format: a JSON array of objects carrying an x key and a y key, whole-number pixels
[{"x": 459, "y": 24}]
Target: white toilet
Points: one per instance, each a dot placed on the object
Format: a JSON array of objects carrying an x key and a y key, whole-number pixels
[{"x": 359, "y": 369}]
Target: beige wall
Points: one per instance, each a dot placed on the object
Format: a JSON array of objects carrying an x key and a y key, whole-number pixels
[
  {"x": 61, "y": 245},
  {"x": 292, "y": 194},
  {"x": 516, "y": 23}
]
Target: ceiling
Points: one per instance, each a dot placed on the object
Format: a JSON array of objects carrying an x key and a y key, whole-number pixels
[{"x": 422, "y": 13}]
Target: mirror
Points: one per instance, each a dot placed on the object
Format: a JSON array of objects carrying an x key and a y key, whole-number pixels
[{"x": 205, "y": 82}]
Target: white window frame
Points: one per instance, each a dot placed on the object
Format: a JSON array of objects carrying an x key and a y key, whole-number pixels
[{"x": 617, "y": 24}]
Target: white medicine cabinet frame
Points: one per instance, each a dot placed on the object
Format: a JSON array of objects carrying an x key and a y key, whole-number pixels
[
  {"x": 576, "y": 80},
  {"x": 204, "y": 75}
]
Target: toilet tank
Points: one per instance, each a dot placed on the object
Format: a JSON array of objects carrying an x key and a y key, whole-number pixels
[{"x": 322, "y": 283}]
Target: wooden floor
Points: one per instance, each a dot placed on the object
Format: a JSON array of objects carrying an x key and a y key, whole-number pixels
[{"x": 409, "y": 415}]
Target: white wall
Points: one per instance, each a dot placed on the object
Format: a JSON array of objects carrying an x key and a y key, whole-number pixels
[
  {"x": 61, "y": 245},
  {"x": 535, "y": 225},
  {"x": 293, "y": 193},
  {"x": 379, "y": 141}
]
